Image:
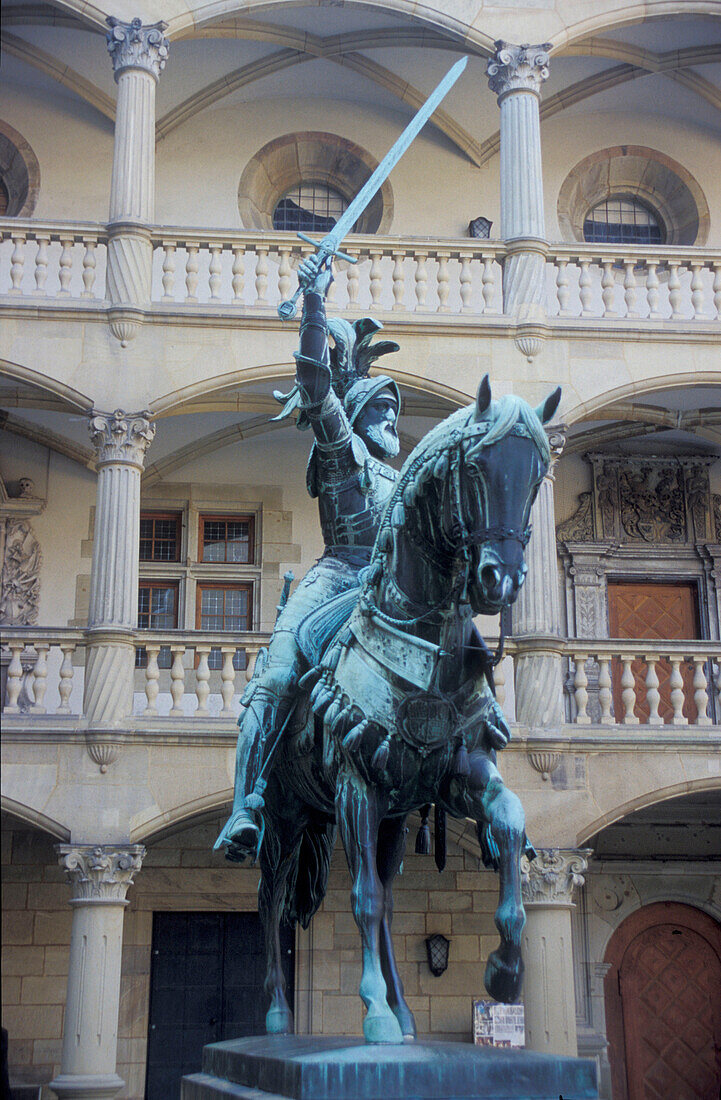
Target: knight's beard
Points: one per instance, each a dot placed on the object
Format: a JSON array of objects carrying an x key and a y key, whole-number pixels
[{"x": 385, "y": 438}]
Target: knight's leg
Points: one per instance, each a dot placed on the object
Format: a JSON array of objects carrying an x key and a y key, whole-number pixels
[
  {"x": 391, "y": 846},
  {"x": 359, "y": 812}
]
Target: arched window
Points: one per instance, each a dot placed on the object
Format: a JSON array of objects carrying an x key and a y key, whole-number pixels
[
  {"x": 4, "y": 198},
  {"x": 623, "y": 219},
  {"x": 310, "y": 207}
]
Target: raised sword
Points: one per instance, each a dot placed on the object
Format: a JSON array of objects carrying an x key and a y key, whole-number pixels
[{"x": 329, "y": 246}]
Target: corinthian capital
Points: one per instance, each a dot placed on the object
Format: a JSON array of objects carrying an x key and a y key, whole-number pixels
[
  {"x": 549, "y": 879},
  {"x": 517, "y": 68},
  {"x": 121, "y": 437},
  {"x": 100, "y": 874},
  {"x": 133, "y": 46}
]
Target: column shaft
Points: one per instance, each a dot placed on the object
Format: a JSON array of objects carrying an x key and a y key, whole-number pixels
[{"x": 132, "y": 189}]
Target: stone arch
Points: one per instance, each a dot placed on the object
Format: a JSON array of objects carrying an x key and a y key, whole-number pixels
[
  {"x": 596, "y": 404},
  {"x": 20, "y": 172},
  {"x": 28, "y": 815},
  {"x": 69, "y": 398},
  {"x": 181, "y": 816},
  {"x": 643, "y": 799}
]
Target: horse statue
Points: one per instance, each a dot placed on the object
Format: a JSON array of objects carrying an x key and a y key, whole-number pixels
[{"x": 399, "y": 713}]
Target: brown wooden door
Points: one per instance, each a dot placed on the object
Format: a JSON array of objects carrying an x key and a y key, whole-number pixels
[
  {"x": 663, "y": 1005},
  {"x": 654, "y": 611}
]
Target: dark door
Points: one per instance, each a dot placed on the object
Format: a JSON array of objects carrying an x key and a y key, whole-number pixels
[{"x": 206, "y": 985}]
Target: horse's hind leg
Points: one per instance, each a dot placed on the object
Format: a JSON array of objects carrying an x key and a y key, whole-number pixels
[
  {"x": 391, "y": 845},
  {"x": 359, "y": 814},
  {"x": 277, "y": 855}
]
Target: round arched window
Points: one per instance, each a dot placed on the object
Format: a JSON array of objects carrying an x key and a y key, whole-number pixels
[
  {"x": 623, "y": 219},
  {"x": 309, "y": 207},
  {"x": 4, "y": 198}
]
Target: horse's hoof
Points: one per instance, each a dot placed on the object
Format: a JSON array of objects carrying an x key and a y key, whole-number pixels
[
  {"x": 503, "y": 980},
  {"x": 382, "y": 1029},
  {"x": 407, "y": 1024},
  {"x": 279, "y": 1020}
]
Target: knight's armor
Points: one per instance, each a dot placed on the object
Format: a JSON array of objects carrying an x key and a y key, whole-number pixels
[{"x": 332, "y": 388}]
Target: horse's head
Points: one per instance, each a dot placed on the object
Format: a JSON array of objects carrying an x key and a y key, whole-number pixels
[{"x": 464, "y": 497}]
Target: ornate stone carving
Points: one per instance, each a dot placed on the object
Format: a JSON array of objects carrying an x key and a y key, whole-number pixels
[
  {"x": 545, "y": 763},
  {"x": 133, "y": 46},
  {"x": 122, "y": 437},
  {"x": 518, "y": 68},
  {"x": 579, "y": 526},
  {"x": 549, "y": 879},
  {"x": 716, "y": 505},
  {"x": 20, "y": 580},
  {"x": 100, "y": 874}
]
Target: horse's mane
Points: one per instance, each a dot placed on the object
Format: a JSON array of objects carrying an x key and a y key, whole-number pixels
[{"x": 463, "y": 432}]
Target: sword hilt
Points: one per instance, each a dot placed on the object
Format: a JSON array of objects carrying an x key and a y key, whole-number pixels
[{"x": 288, "y": 308}]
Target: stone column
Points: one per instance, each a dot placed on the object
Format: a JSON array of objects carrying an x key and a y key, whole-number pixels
[
  {"x": 549, "y": 995},
  {"x": 99, "y": 877},
  {"x": 515, "y": 74},
  {"x": 139, "y": 54},
  {"x": 537, "y": 626},
  {"x": 121, "y": 441}
]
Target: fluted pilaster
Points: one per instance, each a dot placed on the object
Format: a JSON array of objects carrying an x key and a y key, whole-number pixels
[
  {"x": 548, "y": 883},
  {"x": 99, "y": 876}
]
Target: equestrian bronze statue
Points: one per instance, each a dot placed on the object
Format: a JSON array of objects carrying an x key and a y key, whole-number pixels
[{"x": 374, "y": 698}]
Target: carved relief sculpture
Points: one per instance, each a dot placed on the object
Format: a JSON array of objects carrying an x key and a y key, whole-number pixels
[{"x": 20, "y": 583}]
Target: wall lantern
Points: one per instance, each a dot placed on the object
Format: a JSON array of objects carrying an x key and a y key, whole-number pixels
[{"x": 437, "y": 947}]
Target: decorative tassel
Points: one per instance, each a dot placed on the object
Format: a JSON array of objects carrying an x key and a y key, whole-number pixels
[
  {"x": 328, "y": 750},
  {"x": 440, "y": 470},
  {"x": 380, "y": 756},
  {"x": 398, "y": 515},
  {"x": 409, "y": 495},
  {"x": 461, "y": 763},
  {"x": 311, "y": 678},
  {"x": 440, "y": 831},
  {"x": 343, "y": 722},
  {"x": 352, "y": 739},
  {"x": 423, "y": 836},
  {"x": 385, "y": 540},
  {"x": 332, "y": 712}
]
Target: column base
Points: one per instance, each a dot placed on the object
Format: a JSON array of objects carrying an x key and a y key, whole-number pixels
[{"x": 87, "y": 1086}]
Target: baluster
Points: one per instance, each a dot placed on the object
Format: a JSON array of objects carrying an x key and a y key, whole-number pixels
[
  {"x": 238, "y": 274},
  {"x": 677, "y": 699},
  {"x": 563, "y": 291},
  {"x": 697, "y": 293},
  {"x": 580, "y": 684},
  {"x": 376, "y": 278},
  {"x": 41, "y": 265},
  {"x": 192, "y": 267},
  {"x": 215, "y": 268},
  {"x": 717, "y": 681},
  {"x": 653, "y": 696},
  {"x": 674, "y": 290},
  {"x": 700, "y": 691},
  {"x": 66, "y": 266},
  {"x": 717, "y": 288},
  {"x": 18, "y": 263},
  {"x": 629, "y": 289},
  {"x": 284, "y": 273},
  {"x": 608, "y": 288},
  {"x": 353, "y": 284},
  {"x": 605, "y": 693},
  {"x": 40, "y": 677},
  {"x": 261, "y": 277},
  {"x": 251, "y": 656},
  {"x": 399, "y": 279},
  {"x": 488, "y": 281},
  {"x": 421, "y": 280},
  {"x": 227, "y": 677},
  {"x": 15, "y": 678},
  {"x": 652, "y": 285},
  {"x": 65, "y": 686},
  {"x": 444, "y": 284},
  {"x": 177, "y": 680},
  {"x": 499, "y": 680},
  {"x": 169, "y": 258},
  {"x": 202, "y": 680},
  {"x": 152, "y": 680},
  {"x": 584, "y": 287},
  {"x": 628, "y": 694},
  {"x": 466, "y": 278}
]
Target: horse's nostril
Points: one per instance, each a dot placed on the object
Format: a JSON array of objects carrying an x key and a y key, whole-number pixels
[
  {"x": 490, "y": 577},
  {"x": 521, "y": 578}
]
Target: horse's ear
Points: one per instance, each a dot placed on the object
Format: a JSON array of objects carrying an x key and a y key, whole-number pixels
[
  {"x": 483, "y": 397},
  {"x": 545, "y": 411}
]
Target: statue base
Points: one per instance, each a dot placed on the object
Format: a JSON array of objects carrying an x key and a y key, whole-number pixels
[{"x": 296, "y": 1067}]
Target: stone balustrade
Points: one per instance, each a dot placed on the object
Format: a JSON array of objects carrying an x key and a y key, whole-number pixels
[
  {"x": 628, "y": 676},
  {"x": 250, "y": 272},
  {"x": 41, "y": 671}
]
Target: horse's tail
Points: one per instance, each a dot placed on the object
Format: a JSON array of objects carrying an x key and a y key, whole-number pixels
[{"x": 306, "y": 887}]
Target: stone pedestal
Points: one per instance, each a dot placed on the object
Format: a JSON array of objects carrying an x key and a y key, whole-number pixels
[
  {"x": 515, "y": 74},
  {"x": 549, "y": 997},
  {"x": 139, "y": 54},
  {"x": 304, "y": 1068},
  {"x": 99, "y": 877},
  {"x": 121, "y": 442}
]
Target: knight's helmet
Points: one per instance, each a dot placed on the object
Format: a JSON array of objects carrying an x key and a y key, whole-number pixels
[{"x": 351, "y": 358}]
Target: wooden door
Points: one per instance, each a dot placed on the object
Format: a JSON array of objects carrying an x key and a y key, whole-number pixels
[
  {"x": 663, "y": 1006},
  {"x": 206, "y": 985},
  {"x": 654, "y": 611}
]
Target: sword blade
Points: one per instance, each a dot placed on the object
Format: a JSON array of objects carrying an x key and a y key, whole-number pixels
[{"x": 350, "y": 216}]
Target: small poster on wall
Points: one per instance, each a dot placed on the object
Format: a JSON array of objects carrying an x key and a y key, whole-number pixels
[{"x": 496, "y": 1025}]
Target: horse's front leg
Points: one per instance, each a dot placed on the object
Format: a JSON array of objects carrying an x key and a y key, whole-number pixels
[
  {"x": 391, "y": 846},
  {"x": 278, "y": 853},
  {"x": 359, "y": 812}
]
